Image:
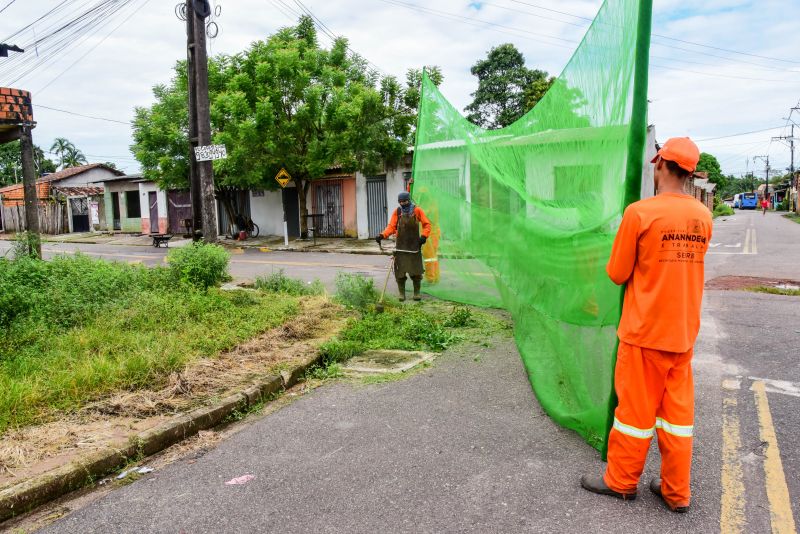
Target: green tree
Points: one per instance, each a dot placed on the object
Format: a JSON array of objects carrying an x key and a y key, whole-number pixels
[
  {"x": 11, "y": 164},
  {"x": 284, "y": 102},
  {"x": 507, "y": 89},
  {"x": 72, "y": 158},
  {"x": 67, "y": 153}
]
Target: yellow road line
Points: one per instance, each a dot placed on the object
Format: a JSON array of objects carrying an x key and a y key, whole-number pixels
[
  {"x": 780, "y": 507},
  {"x": 731, "y": 520},
  {"x": 753, "y": 249}
]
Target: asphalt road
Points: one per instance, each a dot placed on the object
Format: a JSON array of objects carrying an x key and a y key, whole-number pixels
[{"x": 464, "y": 446}]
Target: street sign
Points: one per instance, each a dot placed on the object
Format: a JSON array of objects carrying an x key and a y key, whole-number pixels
[
  {"x": 283, "y": 177},
  {"x": 210, "y": 152}
]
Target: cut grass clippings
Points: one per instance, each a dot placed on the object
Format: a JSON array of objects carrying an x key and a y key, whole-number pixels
[{"x": 81, "y": 328}]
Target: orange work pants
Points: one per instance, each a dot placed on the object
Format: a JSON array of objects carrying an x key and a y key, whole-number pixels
[{"x": 656, "y": 393}]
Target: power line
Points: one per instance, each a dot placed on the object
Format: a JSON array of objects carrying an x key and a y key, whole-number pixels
[
  {"x": 729, "y": 50},
  {"x": 82, "y": 115},
  {"x": 7, "y": 5},
  {"x": 63, "y": 36},
  {"x": 48, "y": 84},
  {"x": 737, "y": 134},
  {"x": 482, "y": 23},
  {"x": 729, "y": 76}
]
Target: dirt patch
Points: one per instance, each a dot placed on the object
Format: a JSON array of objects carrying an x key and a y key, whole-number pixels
[
  {"x": 740, "y": 283},
  {"x": 111, "y": 421}
]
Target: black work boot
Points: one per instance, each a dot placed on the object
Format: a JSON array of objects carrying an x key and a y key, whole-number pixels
[
  {"x": 401, "y": 288},
  {"x": 655, "y": 487},
  {"x": 596, "y": 484},
  {"x": 417, "y": 283}
]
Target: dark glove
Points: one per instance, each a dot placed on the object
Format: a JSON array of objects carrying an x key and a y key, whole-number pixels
[
  {"x": 423, "y": 240},
  {"x": 378, "y": 238}
]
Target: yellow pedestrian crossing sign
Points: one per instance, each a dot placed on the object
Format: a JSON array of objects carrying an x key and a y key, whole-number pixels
[{"x": 283, "y": 177}]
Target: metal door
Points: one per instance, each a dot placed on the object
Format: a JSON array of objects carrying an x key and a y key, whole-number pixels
[
  {"x": 117, "y": 219},
  {"x": 179, "y": 208},
  {"x": 329, "y": 203},
  {"x": 291, "y": 208},
  {"x": 79, "y": 208},
  {"x": 376, "y": 204},
  {"x": 152, "y": 201}
]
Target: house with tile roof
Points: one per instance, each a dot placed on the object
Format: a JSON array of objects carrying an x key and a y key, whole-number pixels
[{"x": 70, "y": 200}]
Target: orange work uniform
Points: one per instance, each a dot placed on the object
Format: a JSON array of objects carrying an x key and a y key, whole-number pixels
[{"x": 659, "y": 253}]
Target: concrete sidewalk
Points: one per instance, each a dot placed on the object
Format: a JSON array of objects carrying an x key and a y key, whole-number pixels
[
  {"x": 341, "y": 245},
  {"x": 103, "y": 238}
]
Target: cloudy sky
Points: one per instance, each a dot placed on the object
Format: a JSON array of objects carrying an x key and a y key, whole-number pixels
[{"x": 719, "y": 67}]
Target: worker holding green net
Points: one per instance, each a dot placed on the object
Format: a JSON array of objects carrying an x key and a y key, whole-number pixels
[{"x": 659, "y": 255}]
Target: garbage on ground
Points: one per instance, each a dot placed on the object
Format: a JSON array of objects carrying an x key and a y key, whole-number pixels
[
  {"x": 244, "y": 479},
  {"x": 139, "y": 470}
]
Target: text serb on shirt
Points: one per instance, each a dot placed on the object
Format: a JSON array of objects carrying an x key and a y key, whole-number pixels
[{"x": 659, "y": 251}]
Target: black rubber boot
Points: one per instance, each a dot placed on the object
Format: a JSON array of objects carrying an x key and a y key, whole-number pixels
[
  {"x": 417, "y": 283},
  {"x": 655, "y": 487},
  {"x": 598, "y": 485},
  {"x": 401, "y": 289}
]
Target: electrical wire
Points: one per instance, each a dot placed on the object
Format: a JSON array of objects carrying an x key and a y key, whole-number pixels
[
  {"x": 82, "y": 115},
  {"x": 48, "y": 84},
  {"x": 729, "y": 50},
  {"x": 65, "y": 36},
  {"x": 7, "y": 5},
  {"x": 737, "y": 134}
]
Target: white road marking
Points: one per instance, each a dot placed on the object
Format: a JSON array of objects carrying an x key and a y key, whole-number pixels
[{"x": 784, "y": 387}]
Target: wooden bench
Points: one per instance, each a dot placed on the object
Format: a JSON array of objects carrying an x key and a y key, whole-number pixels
[{"x": 158, "y": 239}]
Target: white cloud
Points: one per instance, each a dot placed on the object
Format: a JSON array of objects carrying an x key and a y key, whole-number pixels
[{"x": 119, "y": 74}]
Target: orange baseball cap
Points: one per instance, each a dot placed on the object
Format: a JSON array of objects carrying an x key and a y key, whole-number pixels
[{"x": 682, "y": 151}]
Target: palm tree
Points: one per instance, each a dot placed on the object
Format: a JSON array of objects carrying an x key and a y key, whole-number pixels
[
  {"x": 60, "y": 147},
  {"x": 72, "y": 158}
]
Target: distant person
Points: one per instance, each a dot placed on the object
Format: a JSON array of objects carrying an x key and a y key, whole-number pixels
[
  {"x": 405, "y": 222},
  {"x": 764, "y": 206},
  {"x": 658, "y": 253}
]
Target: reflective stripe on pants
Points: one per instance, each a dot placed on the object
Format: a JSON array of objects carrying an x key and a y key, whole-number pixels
[{"x": 656, "y": 393}]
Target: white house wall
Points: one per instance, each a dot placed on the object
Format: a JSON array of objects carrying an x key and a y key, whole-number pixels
[{"x": 267, "y": 212}]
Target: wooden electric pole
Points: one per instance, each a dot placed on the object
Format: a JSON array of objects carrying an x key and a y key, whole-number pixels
[
  {"x": 201, "y": 175},
  {"x": 29, "y": 191}
]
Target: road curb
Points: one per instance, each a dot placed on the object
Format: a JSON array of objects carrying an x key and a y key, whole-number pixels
[{"x": 41, "y": 489}]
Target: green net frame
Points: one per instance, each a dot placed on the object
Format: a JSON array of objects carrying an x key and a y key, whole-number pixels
[{"x": 525, "y": 216}]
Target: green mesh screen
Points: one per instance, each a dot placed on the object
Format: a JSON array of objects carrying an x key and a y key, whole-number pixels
[{"x": 526, "y": 215}]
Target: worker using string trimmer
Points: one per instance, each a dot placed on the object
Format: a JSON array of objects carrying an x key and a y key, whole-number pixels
[{"x": 405, "y": 222}]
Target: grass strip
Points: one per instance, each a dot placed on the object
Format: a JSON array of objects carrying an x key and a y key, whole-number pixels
[{"x": 775, "y": 290}]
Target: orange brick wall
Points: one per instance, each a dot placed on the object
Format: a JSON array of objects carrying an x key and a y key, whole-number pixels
[{"x": 15, "y": 105}]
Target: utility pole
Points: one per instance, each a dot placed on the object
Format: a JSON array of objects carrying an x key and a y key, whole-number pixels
[
  {"x": 202, "y": 180},
  {"x": 29, "y": 190},
  {"x": 790, "y": 139}
]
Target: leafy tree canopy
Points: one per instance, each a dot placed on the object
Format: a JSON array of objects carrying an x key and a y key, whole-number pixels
[
  {"x": 284, "y": 102},
  {"x": 507, "y": 89},
  {"x": 11, "y": 163}
]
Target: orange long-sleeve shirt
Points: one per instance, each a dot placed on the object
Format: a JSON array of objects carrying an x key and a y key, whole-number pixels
[
  {"x": 659, "y": 252},
  {"x": 391, "y": 228}
]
